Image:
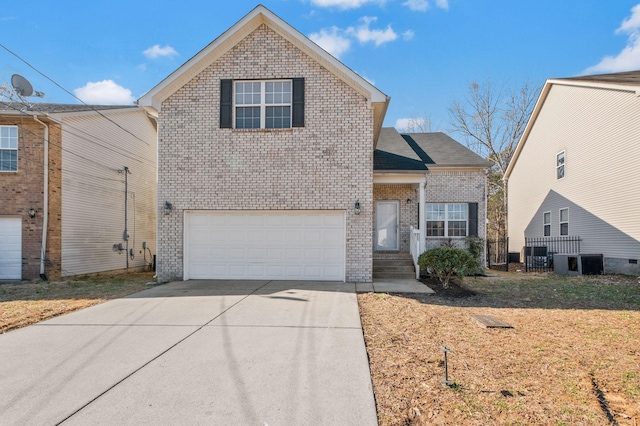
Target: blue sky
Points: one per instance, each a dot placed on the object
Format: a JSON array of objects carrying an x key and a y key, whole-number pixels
[{"x": 422, "y": 53}]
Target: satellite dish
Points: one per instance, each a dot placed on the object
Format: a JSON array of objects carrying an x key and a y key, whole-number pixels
[{"x": 21, "y": 85}]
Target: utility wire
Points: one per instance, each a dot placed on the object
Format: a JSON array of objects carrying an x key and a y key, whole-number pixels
[
  {"x": 60, "y": 146},
  {"x": 68, "y": 92},
  {"x": 141, "y": 159}
]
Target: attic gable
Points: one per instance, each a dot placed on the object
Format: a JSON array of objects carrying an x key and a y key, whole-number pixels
[{"x": 152, "y": 100}]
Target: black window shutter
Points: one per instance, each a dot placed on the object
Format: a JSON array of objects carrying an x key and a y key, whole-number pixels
[
  {"x": 226, "y": 104},
  {"x": 473, "y": 219},
  {"x": 298, "y": 103}
]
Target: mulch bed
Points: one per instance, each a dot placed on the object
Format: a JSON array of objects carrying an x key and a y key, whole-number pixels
[{"x": 455, "y": 289}]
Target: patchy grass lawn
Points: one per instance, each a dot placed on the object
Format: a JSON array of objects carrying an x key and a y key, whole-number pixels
[
  {"x": 572, "y": 358},
  {"x": 29, "y": 302}
]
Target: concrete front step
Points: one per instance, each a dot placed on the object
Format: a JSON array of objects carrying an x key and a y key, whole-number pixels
[
  {"x": 398, "y": 275},
  {"x": 400, "y": 267}
]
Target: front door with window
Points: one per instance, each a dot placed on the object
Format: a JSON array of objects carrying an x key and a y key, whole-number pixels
[{"x": 387, "y": 225}]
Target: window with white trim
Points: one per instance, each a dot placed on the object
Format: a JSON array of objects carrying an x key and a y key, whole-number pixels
[
  {"x": 263, "y": 104},
  {"x": 560, "y": 165},
  {"x": 8, "y": 148},
  {"x": 546, "y": 224},
  {"x": 564, "y": 221},
  {"x": 447, "y": 220}
]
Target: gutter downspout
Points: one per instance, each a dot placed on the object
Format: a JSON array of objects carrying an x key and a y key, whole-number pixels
[
  {"x": 45, "y": 220},
  {"x": 422, "y": 224}
]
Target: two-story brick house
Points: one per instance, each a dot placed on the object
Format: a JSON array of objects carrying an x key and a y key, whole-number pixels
[
  {"x": 65, "y": 201},
  {"x": 265, "y": 163}
]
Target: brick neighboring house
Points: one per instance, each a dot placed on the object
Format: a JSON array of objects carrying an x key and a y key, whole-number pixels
[
  {"x": 265, "y": 164},
  {"x": 68, "y": 222}
]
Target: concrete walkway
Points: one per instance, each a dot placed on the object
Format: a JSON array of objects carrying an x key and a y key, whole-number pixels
[{"x": 196, "y": 352}]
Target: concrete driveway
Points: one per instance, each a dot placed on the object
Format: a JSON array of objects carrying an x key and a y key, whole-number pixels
[{"x": 196, "y": 352}]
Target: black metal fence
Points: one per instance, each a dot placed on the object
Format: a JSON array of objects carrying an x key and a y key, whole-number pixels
[
  {"x": 498, "y": 253},
  {"x": 539, "y": 251}
]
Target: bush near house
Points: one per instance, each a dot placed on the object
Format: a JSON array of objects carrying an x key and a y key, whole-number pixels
[{"x": 444, "y": 262}]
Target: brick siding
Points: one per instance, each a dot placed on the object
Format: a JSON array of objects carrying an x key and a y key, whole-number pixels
[
  {"x": 327, "y": 164},
  {"x": 23, "y": 190}
]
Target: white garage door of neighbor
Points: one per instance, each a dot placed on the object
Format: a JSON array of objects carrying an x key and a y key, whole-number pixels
[
  {"x": 292, "y": 245},
  {"x": 10, "y": 248}
]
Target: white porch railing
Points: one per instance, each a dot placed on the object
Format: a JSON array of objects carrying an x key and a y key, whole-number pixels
[{"x": 415, "y": 249}]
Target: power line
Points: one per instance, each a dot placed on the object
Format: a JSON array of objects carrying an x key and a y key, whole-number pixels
[
  {"x": 151, "y": 164},
  {"x": 68, "y": 92}
]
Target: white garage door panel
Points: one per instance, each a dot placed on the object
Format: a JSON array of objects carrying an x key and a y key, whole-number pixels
[
  {"x": 294, "y": 245},
  {"x": 10, "y": 248}
]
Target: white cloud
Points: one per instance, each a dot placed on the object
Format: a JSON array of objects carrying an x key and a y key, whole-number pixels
[
  {"x": 408, "y": 35},
  {"x": 417, "y": 5},
  {"x": 331, "y": 41},
  {"x": 424, "y": 5},
  {"x": 629, "y": 58},
  {"x": 105, "y": 92},
  {"x": 156, "y": 51},
  {"x": 345, "y": 4},
  {"x": 364, "y": 34},
  {"x": 411, "y": 124}
]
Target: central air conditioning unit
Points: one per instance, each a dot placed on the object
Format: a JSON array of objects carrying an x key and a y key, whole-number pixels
[{"x": 578, "y": 264}]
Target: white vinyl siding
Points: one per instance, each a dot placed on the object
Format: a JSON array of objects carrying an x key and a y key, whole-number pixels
[
  {"x": 292, "y": 245},
  {"x": 93, "y": 190},
  {"x": 602, "y": 126}
]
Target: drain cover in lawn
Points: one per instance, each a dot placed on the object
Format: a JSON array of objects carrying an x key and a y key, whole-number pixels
[{"x": 489, "y": 321}]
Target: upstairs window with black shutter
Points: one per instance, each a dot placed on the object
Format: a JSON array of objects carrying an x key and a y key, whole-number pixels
[{"x": 262, "y": 104}]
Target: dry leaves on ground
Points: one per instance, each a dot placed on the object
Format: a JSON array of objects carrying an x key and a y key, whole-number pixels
[
  {"x": 29, "y": 302},
  {"x": 572, "y": 358}
]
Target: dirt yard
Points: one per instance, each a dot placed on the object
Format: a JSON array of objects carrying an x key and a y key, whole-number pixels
[
  {"x": 571, "y": 358},
  {"x": 29, "y": 302}
]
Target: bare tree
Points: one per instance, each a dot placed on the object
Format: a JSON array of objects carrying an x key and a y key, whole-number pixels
[{"x": 491, "y": 122}]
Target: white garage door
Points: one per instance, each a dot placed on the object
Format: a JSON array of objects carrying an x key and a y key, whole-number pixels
[
  {"x": 293, "y": 245},
  {"x": 10, "y": 248}
]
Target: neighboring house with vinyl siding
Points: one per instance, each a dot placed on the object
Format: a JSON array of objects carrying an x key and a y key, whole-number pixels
[
  {"x": 575, "y": 169},
  {"x": 266, "y": 165},
  {"x": 76, "y": 155}
]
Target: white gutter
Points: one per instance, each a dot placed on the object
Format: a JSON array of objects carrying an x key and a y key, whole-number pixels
[{"x": 45, "y": 220}]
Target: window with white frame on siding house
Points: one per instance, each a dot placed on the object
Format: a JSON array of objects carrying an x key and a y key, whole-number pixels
[
  {"x": 546, "y": 224},
  {"x": 451, "y": 219},
  {"x": 8, "y": 148},
  {"x": 564, "y": 222},
  {"x": 560, "y": 160}
]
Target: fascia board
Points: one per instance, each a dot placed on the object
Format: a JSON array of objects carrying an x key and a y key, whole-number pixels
[
  {"x": 396, "y": 177},
  {"x": 597, "y": 85}
]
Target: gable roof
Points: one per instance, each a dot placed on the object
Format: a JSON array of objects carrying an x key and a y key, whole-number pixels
[
  {"x": 260, "y": 15},
  {"x": 410, "y": 152},
  {"x": 628, "y": 81}
]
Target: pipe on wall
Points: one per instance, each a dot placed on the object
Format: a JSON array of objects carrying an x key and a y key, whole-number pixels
[{"x": 45, "y": 213}]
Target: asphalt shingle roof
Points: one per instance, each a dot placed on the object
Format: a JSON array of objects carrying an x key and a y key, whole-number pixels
[
  {"x": 421, "y": 151},
  {"x": 631, "y": 78}
]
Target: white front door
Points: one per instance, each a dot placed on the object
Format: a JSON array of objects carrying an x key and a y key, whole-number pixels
[
  {"x": 387, "y": 225},
  {"x": 10, "y": 248}
]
